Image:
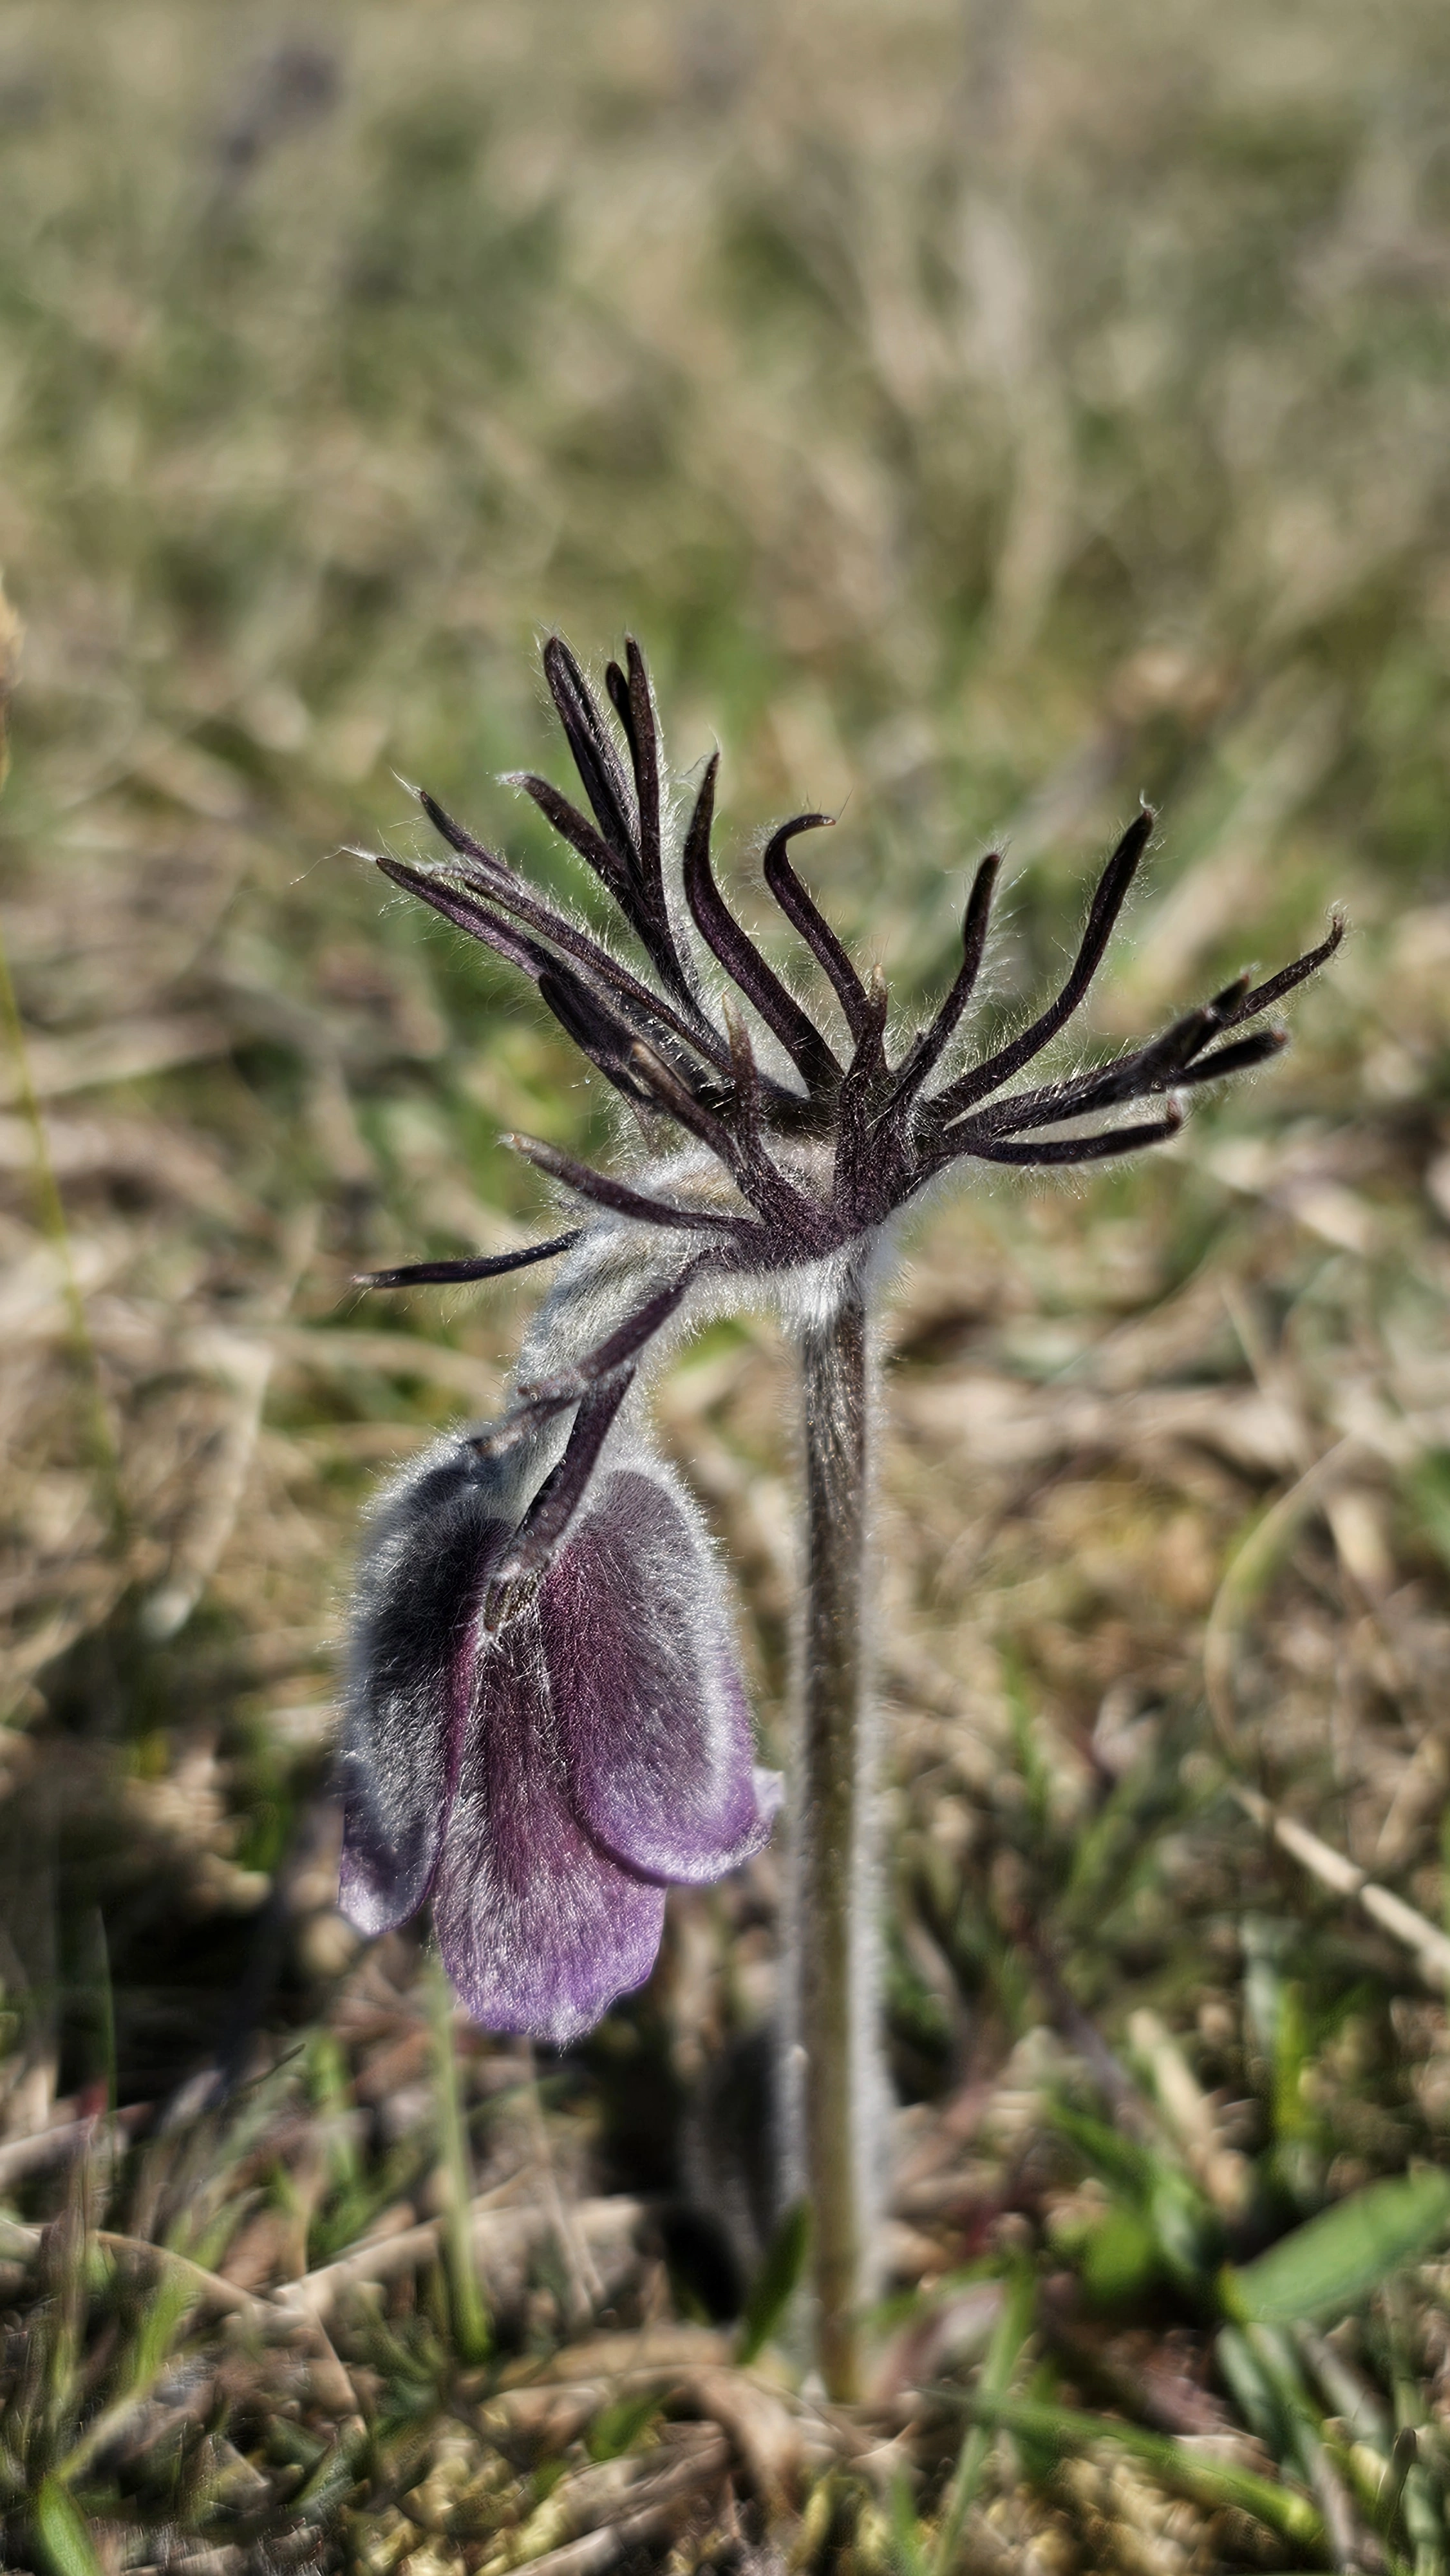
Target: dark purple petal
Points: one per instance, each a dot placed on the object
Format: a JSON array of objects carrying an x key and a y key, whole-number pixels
[
  {"x": 539, "y": 1929},
  {"x": 652, "y": 1714},
  {"x": 434, "y": 1545}
]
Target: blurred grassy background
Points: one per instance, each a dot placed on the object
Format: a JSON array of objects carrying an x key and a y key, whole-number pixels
[{"x": 984, "y": 415}]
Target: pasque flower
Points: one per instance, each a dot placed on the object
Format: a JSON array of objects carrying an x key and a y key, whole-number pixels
[
  {"x": 542, "y": 1775},
  {"x": 546, "y": 1717}
]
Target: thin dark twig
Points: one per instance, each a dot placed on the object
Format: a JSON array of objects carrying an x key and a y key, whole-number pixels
[
  {"x": 1133, "y": 1078},
  {"x": 1059, "y": 1149},
  {"x": 618, "y": 688},
  {"x": 755, "y": 1175},
  {"x": 464, "y": 842},
  {"x": 607, "y": 1041},
  {"x": 620, "y": 1345},
  {"x": 853, "y": 1133},
  {"x": 582, "y": 836},
  {"x": 1177, "y": 1058},
  {"x": 745, "y": 1074},
  {"x": 643, "y": 906},
  {"x": 466, "y": 913},
  {"x": 661, "y": 1086},
  {"x": 616, "y": 1195},
  {"x": 925, "y": 1051},
  {"x": 643, "y": 730},
  {"x": 1238, "y": 1058},
  {"x": 652, "y": 1015},
  {"x": 1264, "y": 996},
  {"x": 482, "y": 1265},
  {"x": 632, "y": 703},
  {"x": 502, "y": 885},
  {"x": 593, "y": 753},
  {"x": 807, "y": 1048},
  {"x": 593, "y": 1025},
  {"x": 804, "y": 915},
  {"x": 1150, "y": 1068},
  {"x": 625, "y": 852},
  {"x": 590, "y": 1023},
  {"x": 634, "y": 707},
  {"x": 1107, "y": 903}
]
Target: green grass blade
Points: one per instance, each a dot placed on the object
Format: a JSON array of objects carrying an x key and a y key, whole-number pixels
[
  {"x": 1335, "y": 2261},
  {"x": 465, "y": 2295},
  {"x": 906, "y": 2550},
  {"x": 776, "y": 2282},
  {"x": 1215, "y": 2484},
  {"x": 170, "y": 2301},
  {"x": 1003, "y": 2354},
  {"x": 63, "y": 2544},
  {"x": 50, "y": 1207}
]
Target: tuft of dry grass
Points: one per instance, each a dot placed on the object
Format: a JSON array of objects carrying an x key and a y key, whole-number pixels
[{"x": 984, "y": 417}]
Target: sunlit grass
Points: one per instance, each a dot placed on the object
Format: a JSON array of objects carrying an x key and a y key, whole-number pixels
[{"x": 983, "y": 418}]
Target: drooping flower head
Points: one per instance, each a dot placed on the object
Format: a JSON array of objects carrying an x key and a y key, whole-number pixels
[
  {"x": 544, "y": 1777},
  {"x": 546, "y": 1717}
]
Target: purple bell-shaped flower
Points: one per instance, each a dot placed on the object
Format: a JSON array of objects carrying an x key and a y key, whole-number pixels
[{"x": 542, "y": 1755}]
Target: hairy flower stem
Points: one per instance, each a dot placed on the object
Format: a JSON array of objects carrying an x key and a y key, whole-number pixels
[
  {"x": 544, "y": 1780},
  {"x": 836, "y": 2088}
]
